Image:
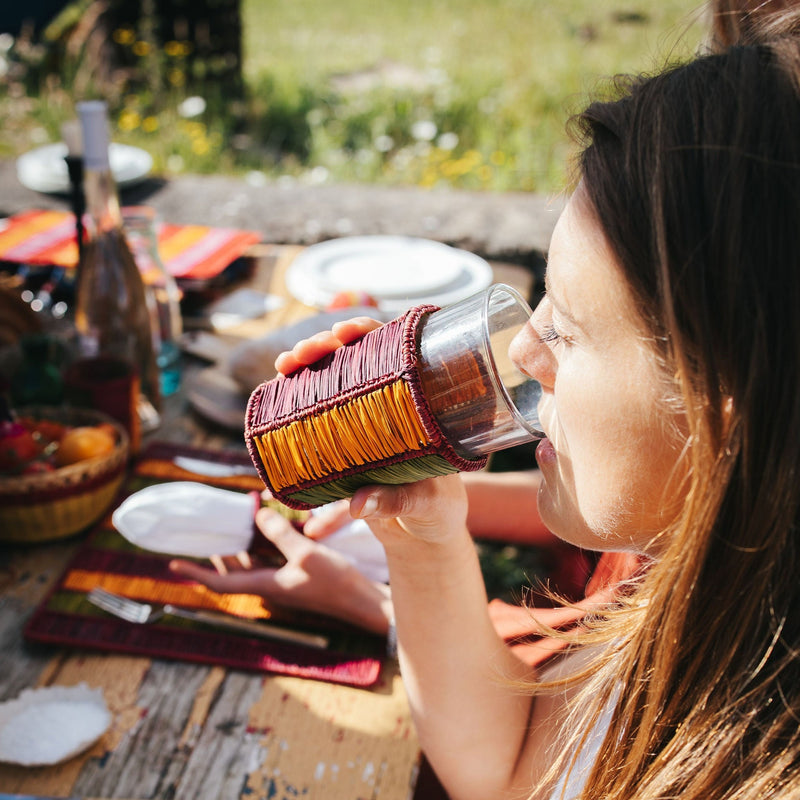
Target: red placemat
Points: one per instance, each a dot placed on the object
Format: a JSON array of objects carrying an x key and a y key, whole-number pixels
[
  {"x": 106, "y": 559},
  {"x": 196, "y": 252}
]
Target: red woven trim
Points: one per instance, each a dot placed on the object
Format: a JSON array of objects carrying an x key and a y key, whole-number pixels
[
  {"x": 255, "y": 457},
  {"x": 411, "y": 375}
]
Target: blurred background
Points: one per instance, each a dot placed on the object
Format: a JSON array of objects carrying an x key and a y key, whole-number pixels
[{"x": 469, "y": 94}]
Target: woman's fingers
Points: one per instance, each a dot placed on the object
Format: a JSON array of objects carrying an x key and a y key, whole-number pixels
[
  {"x": 328, "y": 521},
  {"x": 311, "y": 350},
  {"x": 351, "y": 329},
  {"x": 430, "y": 510},
  {"x": 278, "y": 530},
  {"x": 242, "y": 582},
  {"x": 306, "y": 352}
]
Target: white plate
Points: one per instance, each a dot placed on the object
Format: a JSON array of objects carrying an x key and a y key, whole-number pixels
[
  {"x": 49, "y": 725},
  {"x": 44, "y": 169},
  {"x": 184, "y": 518},
  {"x": 397, "y": 271}
]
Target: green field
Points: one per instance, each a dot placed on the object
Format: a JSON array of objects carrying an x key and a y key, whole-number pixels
[
  {"x": 502, "y": 76},
  {"x": 473, "y": 94}
]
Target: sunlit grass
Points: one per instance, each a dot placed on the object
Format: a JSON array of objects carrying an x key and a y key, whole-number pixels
[
  {"x": 504, "y": 76},
  {"x": 471, "y": 94}
]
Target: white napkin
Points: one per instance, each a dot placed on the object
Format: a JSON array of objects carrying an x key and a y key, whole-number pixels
[
  {"x": 49, "y": 725},
  {"x": 184, "y": 518},
  {"x": 187, "y": 519}
]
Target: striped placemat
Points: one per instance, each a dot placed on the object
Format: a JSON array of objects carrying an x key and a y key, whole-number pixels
[
  {"x": 196, "y": 252},
  {"x": 66, "y": 618}
]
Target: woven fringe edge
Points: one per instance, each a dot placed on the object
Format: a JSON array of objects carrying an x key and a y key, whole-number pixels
[
  {"x": 365, "y": 477},
  {"x": 254, "y": 426}
]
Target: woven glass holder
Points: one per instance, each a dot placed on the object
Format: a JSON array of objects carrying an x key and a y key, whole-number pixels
[
  {"x": 419, "y": 397},
  {"x": 356, "y": 417}
]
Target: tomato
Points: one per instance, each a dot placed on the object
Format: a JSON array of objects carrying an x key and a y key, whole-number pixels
[
  {"x": 48, "y": 430},
  {"x": 18, "y": 448},
  {"x": 38, "y": 467},
  {"x": 350, "y": 299}
]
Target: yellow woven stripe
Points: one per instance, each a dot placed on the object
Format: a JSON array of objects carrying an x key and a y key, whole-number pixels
[
  {"x": 151, "y": 590},
  {"x": 369, "y": 428}
]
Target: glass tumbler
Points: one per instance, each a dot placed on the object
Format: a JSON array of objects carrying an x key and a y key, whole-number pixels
[{"x": 481, "y": 401}]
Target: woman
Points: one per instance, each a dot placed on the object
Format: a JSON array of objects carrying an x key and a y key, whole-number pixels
[{"x": 668, "y": 347}]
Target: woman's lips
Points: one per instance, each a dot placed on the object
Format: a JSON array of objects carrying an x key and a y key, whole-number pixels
[{"x": 545, "y": 452}]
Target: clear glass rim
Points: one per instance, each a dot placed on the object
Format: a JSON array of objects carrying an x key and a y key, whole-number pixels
[{"x": 498, "y": 385}]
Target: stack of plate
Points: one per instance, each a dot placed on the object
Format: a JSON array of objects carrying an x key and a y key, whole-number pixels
[{"x": 398, "y": 272}]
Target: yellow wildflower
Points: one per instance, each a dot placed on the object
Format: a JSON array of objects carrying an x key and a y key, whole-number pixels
[
  {"x": 129, "y": 120},
  {"x": 124, "y": 36}
]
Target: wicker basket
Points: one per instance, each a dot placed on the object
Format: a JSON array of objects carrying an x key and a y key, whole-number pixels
[{"x": 53, "y": 505}]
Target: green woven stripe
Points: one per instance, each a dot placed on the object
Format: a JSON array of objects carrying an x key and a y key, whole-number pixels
[{"x": 415, "y": 469}]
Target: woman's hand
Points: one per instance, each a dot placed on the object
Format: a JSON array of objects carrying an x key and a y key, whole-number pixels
[
  {"x": 307, "y": 351},
  {"x": 314, "y": 578},
  {"x": 429, "y": 511}
]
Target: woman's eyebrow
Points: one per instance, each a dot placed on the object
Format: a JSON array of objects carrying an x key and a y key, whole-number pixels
[{"x": 557, "y": 305}]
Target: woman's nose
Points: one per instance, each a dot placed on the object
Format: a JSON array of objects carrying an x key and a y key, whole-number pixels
[{"x": 531, "y": 356}]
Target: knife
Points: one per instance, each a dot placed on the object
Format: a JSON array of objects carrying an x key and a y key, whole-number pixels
[{"x": 261, "y": 629}]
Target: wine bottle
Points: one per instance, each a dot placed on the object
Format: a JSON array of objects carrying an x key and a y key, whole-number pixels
[{"x": 111, "y": 312}]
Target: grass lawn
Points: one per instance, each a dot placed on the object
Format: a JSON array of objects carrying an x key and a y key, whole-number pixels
[
  {"x": 470, "y": 94},
  {"x": 508, "y": 72}
]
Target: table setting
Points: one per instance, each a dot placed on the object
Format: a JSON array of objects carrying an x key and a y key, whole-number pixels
[
  {"x": 120, "y": 557},
  {"x": 170, "y": 703}
]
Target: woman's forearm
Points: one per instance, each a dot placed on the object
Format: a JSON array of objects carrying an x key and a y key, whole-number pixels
[{"x": 471, "y": 722}]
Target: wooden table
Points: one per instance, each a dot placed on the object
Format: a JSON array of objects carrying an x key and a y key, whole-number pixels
[{"x": 191, "y": 732}]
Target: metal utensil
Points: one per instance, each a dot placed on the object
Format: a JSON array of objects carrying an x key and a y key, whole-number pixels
[
  {"x": 144, "y": 613},
  {"x": 212, "y": 469}
]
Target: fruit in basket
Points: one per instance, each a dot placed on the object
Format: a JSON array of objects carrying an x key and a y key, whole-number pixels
[
  {"x": 87, "y": 441},
  {"x": 45, "y": 430},
  {"x": 45, "y": 501},
  {"x": 18, "y": 447},
  {"x": 31, "y": 445}
]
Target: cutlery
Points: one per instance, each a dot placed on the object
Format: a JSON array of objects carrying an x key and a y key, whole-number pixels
[
  {"x": 144, "y": 613},
  {"x": 212, "y": 469}
]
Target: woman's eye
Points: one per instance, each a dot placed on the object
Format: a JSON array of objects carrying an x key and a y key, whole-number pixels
[{"x": 550, "y": 335}]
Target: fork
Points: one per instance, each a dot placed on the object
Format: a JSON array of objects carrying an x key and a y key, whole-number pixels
[{"x": 144, "y": 613}]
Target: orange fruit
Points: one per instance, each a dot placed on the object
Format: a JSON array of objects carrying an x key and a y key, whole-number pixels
[{"x": 85, "y": 442}]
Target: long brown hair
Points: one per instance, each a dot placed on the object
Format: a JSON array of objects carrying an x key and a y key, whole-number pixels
[{"x": 694, "y": 175}]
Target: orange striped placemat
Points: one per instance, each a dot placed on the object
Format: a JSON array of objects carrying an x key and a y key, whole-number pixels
[
  {"x": 107, "y": 560},
  {"x": 197, "y": 252}
]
